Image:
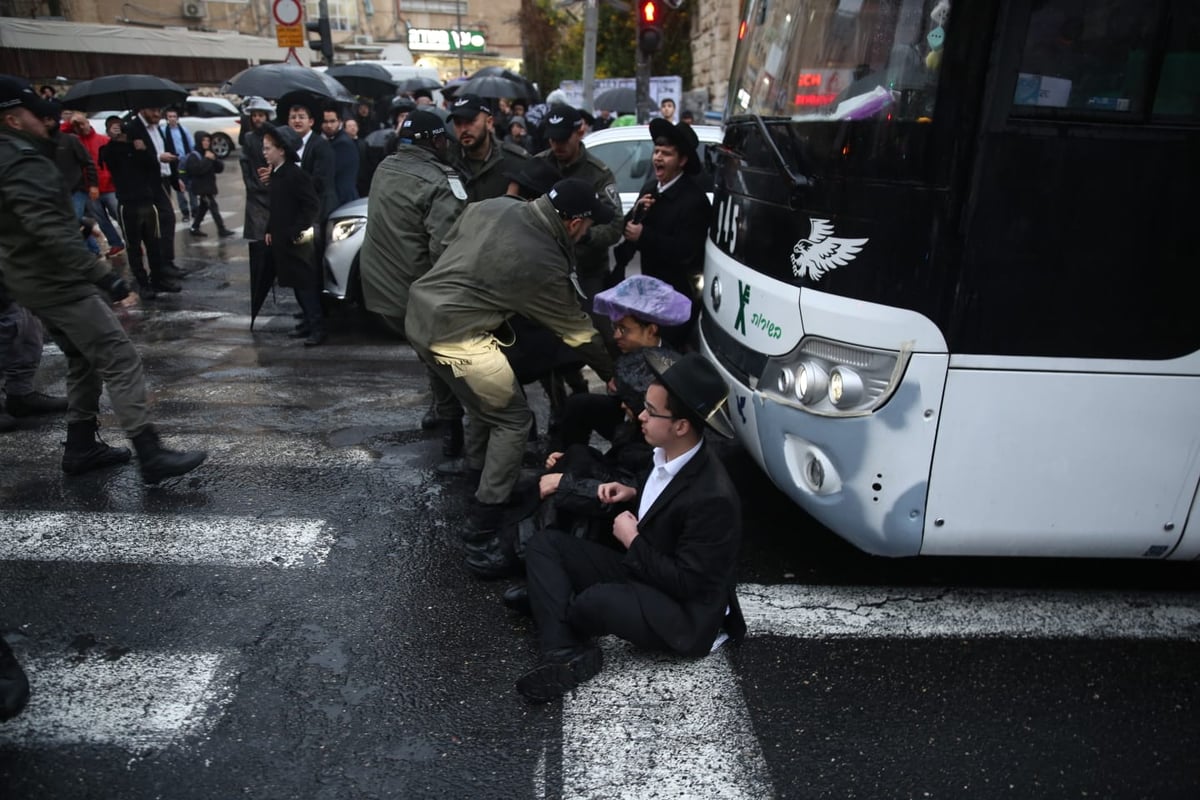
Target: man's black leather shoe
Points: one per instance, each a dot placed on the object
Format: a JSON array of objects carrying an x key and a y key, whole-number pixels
[
  {"x": 35, "y": 404},
  {"x": 85, "y": 451},
  {"x": 559, "y": 673},
  {"x": 166, "y": 286},
  {"x": 157, "y": 462},
  {"x": 315, "y": 338},
  {"x": 516, "y": 598},
  {"x": 430, "y": 421}
]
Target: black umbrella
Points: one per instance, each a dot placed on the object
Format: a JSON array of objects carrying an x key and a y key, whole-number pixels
[
  {"x": 417, "y": 82},
  {"x": 313, "y": 102},
  {"x": 623, "y": 101},
  {"x": 272, "y": 81},
  {"x": 124, "y": 92},
  {"x": 492, "y": 86},
  {"x": 364, "y": 79},
  {"x": 528, "y": 92}
]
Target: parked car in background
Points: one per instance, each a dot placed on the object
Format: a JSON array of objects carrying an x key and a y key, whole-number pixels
[
  {"x": 626, "y": 151},
  {"x": 215, "y": 115}
]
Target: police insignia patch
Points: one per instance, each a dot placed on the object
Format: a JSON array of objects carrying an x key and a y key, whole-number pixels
[{"x": 610, "y": 191}]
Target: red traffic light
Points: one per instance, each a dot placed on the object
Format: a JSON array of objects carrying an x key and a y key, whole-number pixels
[{"x": 650, "y": 33}]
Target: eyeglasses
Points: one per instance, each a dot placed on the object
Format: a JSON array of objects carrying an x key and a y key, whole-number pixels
[
  {"x": 625, "y": 330},
  {"x": 650, "y": 413}
]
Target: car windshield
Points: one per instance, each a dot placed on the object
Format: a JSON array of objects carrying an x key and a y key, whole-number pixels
[{"x": 821, "y": 60}]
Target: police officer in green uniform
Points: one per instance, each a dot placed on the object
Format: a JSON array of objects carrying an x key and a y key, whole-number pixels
[
  {"x": 416, "y": 196},
  {"x": 480, "y": 157},
  {"x": 46, "y": 268},
  {"x": 569, "y": 155}
]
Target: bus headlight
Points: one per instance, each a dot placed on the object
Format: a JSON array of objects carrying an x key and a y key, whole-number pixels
[
  {"x": 811, "y": 383},
  {"x": 845, "y": 387},
  {"x": 345, "y": 228},
  {"x": 834, "y": 379}
]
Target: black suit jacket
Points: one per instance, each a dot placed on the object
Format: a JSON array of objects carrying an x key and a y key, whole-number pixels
[
  {"x": 682, "y": 562},
  {"x": 137, "y": 130},
  {"x": 318, "y": 161},
  {"x": 673, "y": 233}
]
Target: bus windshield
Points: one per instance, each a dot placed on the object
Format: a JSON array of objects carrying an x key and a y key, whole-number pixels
[{"x": 825, "y": 60}]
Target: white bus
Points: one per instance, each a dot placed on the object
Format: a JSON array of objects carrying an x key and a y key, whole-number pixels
[{"x": 953, "y": 275}]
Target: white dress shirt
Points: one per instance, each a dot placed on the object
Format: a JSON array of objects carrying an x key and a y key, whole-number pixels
[
  {"x": 159, "y": 148},
  {"x": 662, "y": 474},
  {"x": 303, "y": 144}
]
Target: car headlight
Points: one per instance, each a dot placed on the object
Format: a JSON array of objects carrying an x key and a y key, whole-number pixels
[
  {"x": 345, "y": 228},
  {"x": 833, "y": 378}
]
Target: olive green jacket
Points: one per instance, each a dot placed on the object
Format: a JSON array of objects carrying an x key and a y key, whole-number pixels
[
  {"x": 43, "y": 260},
  {"x": 414, "y": 201},
  {"x": 504, "y": 257},
  {"x": 487, "y": 179},
  {"x": 592, "y": 253}
]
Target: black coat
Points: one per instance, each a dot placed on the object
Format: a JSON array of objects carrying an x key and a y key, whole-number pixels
[
  {"x": 134, "y": 172},
  {"x": 345, "y": 161},
  {"x": 682, "y": 562},
  {"x": 136, "y": 129},
  {"x": 202, "y": 172},
  {"x": 294, "y": 208},
  {"x": 318, "y": 161},
  {"x": 673, "y": 234}
]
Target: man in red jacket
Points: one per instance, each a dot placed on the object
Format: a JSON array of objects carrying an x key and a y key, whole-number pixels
[{"x": 102, "y": 199}]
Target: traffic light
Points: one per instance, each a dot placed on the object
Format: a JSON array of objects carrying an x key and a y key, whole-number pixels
[
  {"x": 650, "y": 34},
  {"x": 323, "y": 44}
]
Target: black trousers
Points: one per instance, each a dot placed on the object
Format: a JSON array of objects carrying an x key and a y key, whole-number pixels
[
  {"x": 579, "y": 589},
  {"x": 140, "y": 222},
  {"x": 166, "y": 220},
  {"x": 587, "y": 412}
]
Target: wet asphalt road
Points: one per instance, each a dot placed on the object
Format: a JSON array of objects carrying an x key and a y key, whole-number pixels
[{"x": 292, "y": 620}]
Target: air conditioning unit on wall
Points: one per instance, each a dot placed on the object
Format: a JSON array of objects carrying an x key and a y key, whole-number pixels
[{"x": 194, "y": 9}]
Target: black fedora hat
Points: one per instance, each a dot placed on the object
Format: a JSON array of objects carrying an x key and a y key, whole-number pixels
[
  {"x": 695, "y": 381},
  {"x": 288, "y": 140},
  {"x": 684, "y": 139}
]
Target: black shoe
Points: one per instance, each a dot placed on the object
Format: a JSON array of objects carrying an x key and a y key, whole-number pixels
[
  {"x": 197, "y": 232},
  {"x": 157, "y": 462},
  {"x": 559, "y": 673},
  {"x": 165, "y": 285},
  {"x": 452, "y": 438},
  {"x": 35, "y": 404},
  {"x": 516, "y": 598},
  {"x": 171, "y": 271},
  {"x": 431, "y": 421},
  {"x": 7, "y": 423},
  {"x": 14, "y": 686},
  {"x": 85, "y": 451},
  {"x": 146, "y": 292},
  {"x": 186, "y": 217},
  {"x": 315, "y": 338},
  {"x": 301, "y": 331},
  {"x": 226, "y": 233}
]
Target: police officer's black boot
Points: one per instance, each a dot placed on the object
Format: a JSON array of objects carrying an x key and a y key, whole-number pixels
[
  {"x": 86, "y": 452},
  {"x": 157, "y": 462},
  {"x": 488, "y": 557}
]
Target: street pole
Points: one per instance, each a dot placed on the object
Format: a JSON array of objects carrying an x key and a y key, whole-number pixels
[
  {"x": 591, "y": 21},
  {"x": 644, "y": 106},
  {"x": 457, "y": 32}
]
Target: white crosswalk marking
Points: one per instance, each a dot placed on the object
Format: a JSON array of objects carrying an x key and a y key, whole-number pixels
[
  {"x": 878, "y": 612},
  {"x": 653, "y": 725},
  {"x": 163, "y": 539},
  {"x": 136, "y": 701}
]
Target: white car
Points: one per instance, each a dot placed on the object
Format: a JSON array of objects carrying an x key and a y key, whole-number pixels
[
  {"x": 214, "y": 115},
  {"x": 625, "y": 150}
]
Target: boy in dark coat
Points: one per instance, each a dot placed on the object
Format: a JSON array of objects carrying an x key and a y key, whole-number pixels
[{"x": 202, "y": 167}]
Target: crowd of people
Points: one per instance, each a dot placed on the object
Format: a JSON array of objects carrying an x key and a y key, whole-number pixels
[{"x": 490, "y": 248}]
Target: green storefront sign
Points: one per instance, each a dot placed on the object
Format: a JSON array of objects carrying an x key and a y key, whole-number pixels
[{"x": 446, "y": 41}]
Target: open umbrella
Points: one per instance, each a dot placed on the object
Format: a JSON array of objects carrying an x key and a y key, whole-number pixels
[
  {"x": 623, "y": 101},
  {"x": 492, "y": 86},
  {"x": 417, "y": 82},
  {"x": 365, "y": 79},
  {"x": 529, "y": 91},
  {"x": 275, "y": 80},
  {"x": 124, "y": 92}
]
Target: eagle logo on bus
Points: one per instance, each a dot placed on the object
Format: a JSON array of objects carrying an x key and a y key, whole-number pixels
[{"x": 822, "y": 251}]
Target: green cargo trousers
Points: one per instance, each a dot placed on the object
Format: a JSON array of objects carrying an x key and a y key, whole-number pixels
[{"x": 99, "y": 354}]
